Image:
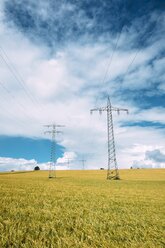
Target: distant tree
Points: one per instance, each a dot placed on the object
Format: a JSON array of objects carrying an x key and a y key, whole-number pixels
[
  {"x": 37, "y": 168},
  {"x": 101, "y": 168}
]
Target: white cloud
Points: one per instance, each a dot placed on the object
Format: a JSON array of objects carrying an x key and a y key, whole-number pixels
[
  {"x": 46, "y": 166},
  {"x": 7, "y": 164},
  {"x": 65, "y": 85},
  {"x": 149, "y": 162},
  {"x": 134, "y": 142},
  {"x": 66, "y": 158}
]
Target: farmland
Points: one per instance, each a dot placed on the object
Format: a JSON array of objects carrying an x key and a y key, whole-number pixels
[{"x": 82, "y": 209}]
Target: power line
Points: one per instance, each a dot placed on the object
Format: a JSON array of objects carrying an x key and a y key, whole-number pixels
[
  {"x": 111, "y": 58},
  {"x": 135, "y": 56},
  {"x": 19, "y": 104},
  {"x": 12, "y": 96},
  {"x": 5, "y": 58},
  {"x": 110, "y": 62},
  {"x": 9, "y": 115},
  {"x": 112, "y": 172}
]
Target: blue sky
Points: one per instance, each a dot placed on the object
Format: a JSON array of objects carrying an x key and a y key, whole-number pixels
[
  {"x": 59, "y": 59},
  {"x": 22, "y": 147}
]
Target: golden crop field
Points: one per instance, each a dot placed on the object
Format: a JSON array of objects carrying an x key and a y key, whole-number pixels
[{"x": 81, "y": 209}]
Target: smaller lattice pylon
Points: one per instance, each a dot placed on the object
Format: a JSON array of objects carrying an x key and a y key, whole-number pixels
[
  {"x": 68, "y": 161},
  {"x": 83, "y": 163},
  {"x": 52, "y": 164}
]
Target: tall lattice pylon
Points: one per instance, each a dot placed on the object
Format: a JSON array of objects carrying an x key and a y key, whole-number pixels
[
  {"x": 112, "y": 171},
  {"x": 52, "y": 164}
]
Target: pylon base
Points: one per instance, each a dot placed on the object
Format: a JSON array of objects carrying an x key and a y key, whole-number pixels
[{"x": 113, "y": 178}]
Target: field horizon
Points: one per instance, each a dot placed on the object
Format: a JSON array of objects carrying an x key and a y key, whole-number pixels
[
  {"x": 81, "y": 209},
  {"x": 125, "y": 174}
]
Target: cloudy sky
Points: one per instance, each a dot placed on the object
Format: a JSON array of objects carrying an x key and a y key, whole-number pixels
[{"x": 61, "y": 58}]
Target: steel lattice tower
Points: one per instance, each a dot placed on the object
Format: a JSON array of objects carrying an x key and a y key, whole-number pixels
[
  {"x": 68, "y": 160},
  {"x": 83, "y": 163},
  {"x": 112, "y": 171},
  {"x": 53, "y": 132}
]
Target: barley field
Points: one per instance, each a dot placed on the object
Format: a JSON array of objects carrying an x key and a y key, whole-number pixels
[{"x": 81, "y": 209}]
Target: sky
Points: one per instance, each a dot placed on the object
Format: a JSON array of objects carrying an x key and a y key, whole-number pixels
[{"x": 61, "y": 58}]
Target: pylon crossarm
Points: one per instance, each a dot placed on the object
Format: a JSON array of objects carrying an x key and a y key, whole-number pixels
[
  {"x": 58, "y": 132},
  {"x": 98, "y": 109},
  {"x": 119, "y": 109},
  {"x": 49, "y": 132}
]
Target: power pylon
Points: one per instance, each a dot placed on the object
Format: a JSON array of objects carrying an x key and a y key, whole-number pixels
[
  {"x": 112, "y": 171},
  {"x": 83, "y": 163},
  {"x": 68, "y": 160},
  {"x": 53, "y": 132}
]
